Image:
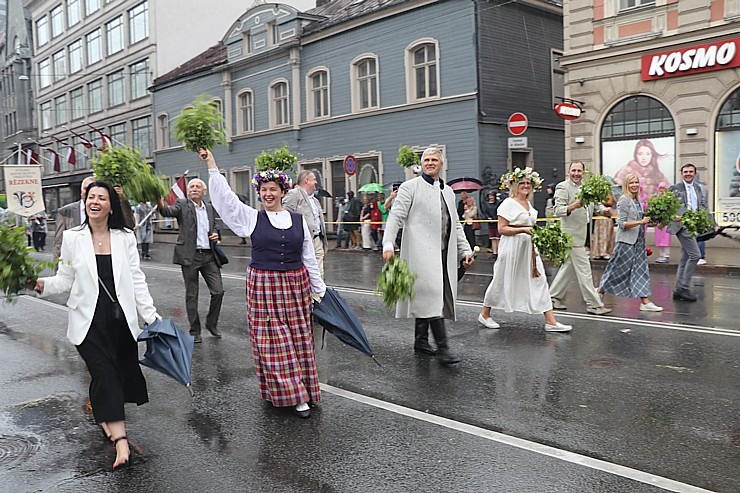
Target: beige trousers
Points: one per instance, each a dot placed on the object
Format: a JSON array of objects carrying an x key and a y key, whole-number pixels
[
  {"x": 578, "y": 265},
  {"x": 318, "y": 248}
]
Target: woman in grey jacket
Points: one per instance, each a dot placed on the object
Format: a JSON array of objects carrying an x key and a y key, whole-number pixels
[{"x": 627, "y": 272}]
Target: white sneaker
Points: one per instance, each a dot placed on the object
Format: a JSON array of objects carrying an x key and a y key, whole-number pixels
[
  {"x": 488, "y": 322},
  {"x": 701, "y": 262},
  {"x": 650, "y": 307},
  {"x": 558, "y": 327}
]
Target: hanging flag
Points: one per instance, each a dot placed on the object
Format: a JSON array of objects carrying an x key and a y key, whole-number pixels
[
  {"x": 178, "y": 191},
  {"x": 71, "y": 157},
  {"x": 107, "y": 142},
  {"x": 57, "y": 165},
  {"x": 32, "y": 157},
  {"x": 83, "y": 140}
]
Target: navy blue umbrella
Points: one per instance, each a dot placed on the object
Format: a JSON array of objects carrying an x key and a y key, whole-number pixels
[
  {"x": 169, "y": 350},
  {"x": 337, "y": 317}
]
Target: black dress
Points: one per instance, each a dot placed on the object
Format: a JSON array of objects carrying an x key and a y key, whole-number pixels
[{"x": 111, "y": 355}]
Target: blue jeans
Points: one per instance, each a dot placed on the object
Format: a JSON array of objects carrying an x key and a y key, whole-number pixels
[{"x": 340, "y": 233}]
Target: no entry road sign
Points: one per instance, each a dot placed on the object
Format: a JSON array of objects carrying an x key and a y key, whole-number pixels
[{"x": 517, "y": 123}]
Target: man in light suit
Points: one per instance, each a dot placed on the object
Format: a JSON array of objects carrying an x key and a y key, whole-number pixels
[
  {"x": 194, "y": 253},
  {"x": 692, "y": 196},
  {"x": 70, "y": 216},
  {"x": 302, "y": 200},
  {"x": 575, "y": 219}
]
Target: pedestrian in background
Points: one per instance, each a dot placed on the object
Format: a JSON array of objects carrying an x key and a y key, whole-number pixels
[
  {"x": 144, "y": 228},
  {"x": 602, "y": 235},
  {"x": 37, "y": 228},
  {"x": 281, "y": 280},
  {"x": 470, "y": 214},
  {"x": 550, "y": 202},
  {"x": 108, "y": 292},
  {"x": 627, "y": 273},
  {"x": 365, "y": 229},
  {"x": 341, "y": 209},
  {"x": 302, "y": 200},
  {"x": 489, "y": 211},
  {"x": 351, "y": 219},
  {"x": 662, "y": 236}
]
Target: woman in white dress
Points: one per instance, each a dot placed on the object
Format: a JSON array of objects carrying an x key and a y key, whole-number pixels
[{"x": 513, "y": 288}]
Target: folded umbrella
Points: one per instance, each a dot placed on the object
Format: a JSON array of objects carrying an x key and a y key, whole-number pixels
[
  {"x": 169, "y": 350},
  {"x": 320, "y": 192},
  {"x": 720, "y": 232},
  {"x": 335, "y": 315}
]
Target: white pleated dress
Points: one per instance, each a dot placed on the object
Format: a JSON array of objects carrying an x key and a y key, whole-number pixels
[{"x": 513, "y": 289}]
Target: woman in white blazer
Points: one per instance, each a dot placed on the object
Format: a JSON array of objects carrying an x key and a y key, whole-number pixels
[
  {"x": 100, "y": 267},
  {"x": 627, "y": 272}
]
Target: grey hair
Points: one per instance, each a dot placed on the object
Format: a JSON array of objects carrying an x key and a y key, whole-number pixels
[
  {"x": 202, "y": 183},
  {"x": 303, "y": 175},
  {"x": 434, "y": 150}
]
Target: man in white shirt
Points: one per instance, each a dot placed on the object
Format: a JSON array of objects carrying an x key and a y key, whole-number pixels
[{"x": 301, "y": 199}]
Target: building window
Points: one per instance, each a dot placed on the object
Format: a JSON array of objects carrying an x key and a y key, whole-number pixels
[
  {"x": 141, "y": 130},
  {"x": 139, "y": 79},
  {"x": 45, "y": 110},
  {"x": 42, "y": 31},
  {"x": 117, "y": 133},
  {"x": 279, "y": 104},
  {"x": 60, "y": 69},
  {"x": 138, "y": 22},
  {"x": 74, "y": 12},
  {"x": 726, "y": 175},
  {"x": 76, "y": 103},
  {"x": 558, "y": 77},
  {"x": 163, "y": 131},
  {"x": 422, "y": 70},
  {"x": 94, "y": 48},
  {"x": 631, "y": 4},
  {"x": 95, "y": 96},
  {"x": 365, "y": 90},
  {"x": 75, "y": 57},
  {"x": 114, "y": 35},
  {"x": 272, "y": 34},
  {"x": 247, "y": 38},
  {"x": 246, "y": 112},
  {"x": 116, "y": 88},
  {"x": 91, "y": 6},
  {"x": 45, "y": 73},
  {"x": 317, "y": 101},
  {"x": 60, "y": 108},
  {"x": 57, "y": 21}
]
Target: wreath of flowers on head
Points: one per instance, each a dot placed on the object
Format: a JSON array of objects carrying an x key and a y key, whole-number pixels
[
  {"x": 272, "y": 175},
  {"x": 518, "y": 174}
]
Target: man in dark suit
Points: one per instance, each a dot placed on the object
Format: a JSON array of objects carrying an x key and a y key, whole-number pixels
[
  {"x": 70, "y": 216},
  {"x": 692, "y": 197},
  {"x": 194, "y": 253}
]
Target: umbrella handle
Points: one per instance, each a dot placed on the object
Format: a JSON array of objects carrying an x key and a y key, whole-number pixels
[
  {"x": 190, "y": 389},
  {"x": 376, "y": 361}
]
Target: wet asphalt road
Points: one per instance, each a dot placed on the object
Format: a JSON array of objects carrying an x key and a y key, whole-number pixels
[{"x": 631, "y": 402}]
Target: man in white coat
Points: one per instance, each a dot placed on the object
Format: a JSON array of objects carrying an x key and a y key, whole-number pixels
[{"x": 425, "y": 208}]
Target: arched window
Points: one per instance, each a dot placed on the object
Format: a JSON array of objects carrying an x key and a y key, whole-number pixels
[
  {"x": 317, "y": 93},
  {"x": 638, "y": 137},
  {"x": 279, "y": 109},
  {"x": 727, "y": 161},
  {"x": 365, "y": 87},
  {"x": 245, "y": 103},
  {"x": 163, "y": 131},
  {"x": 422, "y": 70}
]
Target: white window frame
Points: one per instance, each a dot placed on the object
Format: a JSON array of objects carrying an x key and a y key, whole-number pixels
[
  {"x": 43, "y": 33},
  {"x": 77, "y": 95},
  {"x": 410, "y": 70},
  {"x": 138, "y": 19},
  {"x": 272, "y": 37},
  {"x": 311, "y": 94},
  {"x": 99, "y": 94},
  {"x": 136, "y": 134},
  {"x": 61, "y": 112},
  {"x": 272, "y": 101},
  {"x": 115, "y": 133},
  {"x": 74, "y": 12},
  {"x": 56, "y": 21},
  {"x": 91, "y": 6},
  {"x": 75, "y": 55},
  {"x": 163, "y": 131},
  {"x": 240, "y": 127},
  {"x": 45, "y": 115},
  {"x": 637, "y": 4},
  {"x": 355, "y": 85},
  {"x": 94, "y": 45},
  {"x": 59, "y": 63},
  {"x": 114, "y": 41},
  {"x": 45, "y": 76},
  {"x": 136, "y": 74},
  {"x": 116, "y": 84}
]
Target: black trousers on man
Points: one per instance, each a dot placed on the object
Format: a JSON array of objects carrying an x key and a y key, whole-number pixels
[{"x": 205, "y": 265}]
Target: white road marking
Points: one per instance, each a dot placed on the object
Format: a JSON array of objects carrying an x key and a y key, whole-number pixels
[{"x": 600, "y": 465}]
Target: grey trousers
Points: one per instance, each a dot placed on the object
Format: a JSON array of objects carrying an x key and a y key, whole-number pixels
[
  {"x": 578, "y": 266},
  {"x": 690, "y": 255},
  {"x": 205, "y": 264}
]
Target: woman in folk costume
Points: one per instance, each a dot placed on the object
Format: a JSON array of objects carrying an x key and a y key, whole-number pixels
[
  {"x": 519, "y": 283},
  {"x": 281, "y": 281},
  {"x": 425, "y": 209}
]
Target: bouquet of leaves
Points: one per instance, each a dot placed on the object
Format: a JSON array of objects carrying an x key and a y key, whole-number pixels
[
  {"x": 280, "y": 159},
  {"x": 697, "y": 222},
  {"x": 663, "y": 208},
  {"x": 126, "y": 167},
  {"x": 395, "y": 282},
  {"x": 552, "y": 242},
  {"x": 19, "y": 270},
  {"x": 201, "y": 126},
  {"x": 594, "y": 189}
]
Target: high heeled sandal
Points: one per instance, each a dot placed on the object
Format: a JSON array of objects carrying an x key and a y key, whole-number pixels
[{"x": 127, "y": 462}]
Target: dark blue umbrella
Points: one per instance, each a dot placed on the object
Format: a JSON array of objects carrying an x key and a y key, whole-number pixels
[
  {"x": 337, "y": 317},
  {"x": 169, "y": 350}
]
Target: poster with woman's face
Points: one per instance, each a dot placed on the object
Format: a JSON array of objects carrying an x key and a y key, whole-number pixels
[{"x": 652, "y": 160}]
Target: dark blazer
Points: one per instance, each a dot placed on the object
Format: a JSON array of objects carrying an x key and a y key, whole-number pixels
[
  {"x": 683, "y": 196},
  {"x": 184, "y": 211}
]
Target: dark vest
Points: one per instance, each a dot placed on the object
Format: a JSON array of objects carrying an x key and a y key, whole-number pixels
[{"x": 277, "y": 249}]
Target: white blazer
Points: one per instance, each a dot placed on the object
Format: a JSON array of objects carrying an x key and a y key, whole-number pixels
[{"x": 78, "y": 272}]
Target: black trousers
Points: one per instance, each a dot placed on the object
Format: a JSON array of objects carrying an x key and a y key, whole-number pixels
[{"x": 205, "y": 265}]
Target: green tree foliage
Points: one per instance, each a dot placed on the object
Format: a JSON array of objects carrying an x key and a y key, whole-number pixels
[
  {"x": 279, "y": 159},
  {"x": 407, "y": 157},
  {"x": 126, "y": 167},
  {"x": 201, "y": 126},
  {"x": 18, "y": 270}
]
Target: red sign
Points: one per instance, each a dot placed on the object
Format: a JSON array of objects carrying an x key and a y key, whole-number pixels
[
  {"x": 517, "y": 123},
  {"x": 568, "y": 111},
  {"x": 350, "y": 165},
  {"x": 693, "y": 60}
]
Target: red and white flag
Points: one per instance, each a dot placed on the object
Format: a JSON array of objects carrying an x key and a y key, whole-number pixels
[
  {"x": 32, "y": 157},
  {"x": 71, "y": 157},
  {"x": 178, "y": 191},
  {"x": 57, "y": 165}
]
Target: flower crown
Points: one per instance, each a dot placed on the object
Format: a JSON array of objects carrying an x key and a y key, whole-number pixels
[
  {"x": 272, "y": 175},
  {"x": 518, "y": 174}
]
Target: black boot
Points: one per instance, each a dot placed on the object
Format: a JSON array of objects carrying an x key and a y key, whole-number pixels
[
  {"x": 421, "y": 337},
  {"x": 440, "y": 337}
]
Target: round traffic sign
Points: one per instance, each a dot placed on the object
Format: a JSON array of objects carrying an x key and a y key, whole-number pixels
[
  {"x": 350, "y": 165},
  {"x": 517, "y": 123}
]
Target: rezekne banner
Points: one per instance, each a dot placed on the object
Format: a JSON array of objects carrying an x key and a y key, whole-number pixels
[
  {"x": 23, "y": 189},
  {"x": 692, "y": 60}
]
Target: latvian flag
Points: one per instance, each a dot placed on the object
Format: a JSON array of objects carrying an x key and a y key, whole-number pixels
[
  {"x": 178, "y": 191},
  {"x": 32, "y": 157},
  {"x": 57, "y": 166},
  {"x": 71, "y": 157}
]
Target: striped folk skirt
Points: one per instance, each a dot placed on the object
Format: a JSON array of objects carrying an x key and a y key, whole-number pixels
[
  {"x": 279, "y": 310},
  {"x": 627, "y": 273}
]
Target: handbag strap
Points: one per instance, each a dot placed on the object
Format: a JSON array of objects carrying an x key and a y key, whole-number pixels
[{"x": 106, "y": 291}]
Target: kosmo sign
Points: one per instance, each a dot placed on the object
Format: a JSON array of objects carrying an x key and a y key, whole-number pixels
[
  {"x": 568, "y": 111},
  {"x": 696, "y": 59}
]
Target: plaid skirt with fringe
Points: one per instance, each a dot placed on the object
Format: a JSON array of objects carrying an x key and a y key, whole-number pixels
[
  {"x": 627, "y": 272},
  {"x": 279, "y": 310}
]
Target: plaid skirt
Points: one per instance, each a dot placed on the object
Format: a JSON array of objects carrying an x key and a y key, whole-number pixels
[
  {"x": 627, "y": 272},
  {"x": 279, "y": 309}
]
